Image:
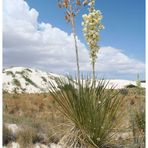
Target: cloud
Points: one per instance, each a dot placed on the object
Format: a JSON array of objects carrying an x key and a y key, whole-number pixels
[{"x": 26, "y": 42}]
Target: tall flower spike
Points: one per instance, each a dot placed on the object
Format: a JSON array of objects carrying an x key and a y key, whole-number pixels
[
  {"x": 91, "y": 29},
  {"x": 72, "y": 8}
]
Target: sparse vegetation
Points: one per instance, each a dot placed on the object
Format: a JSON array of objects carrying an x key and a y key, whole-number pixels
[
  {"x": 7, "y": 135},
  {"x": 28, "y": 70},
  {"x": 16, "y": 82},
  {"x": 130, "y": 86},
  {"x": 10, "y": 73},
  {"x": 44, "y": 79},
  {"x": 27, "y": 136},
  {"x": 27, "y": 83},
  {"x": 37, "y": 111},
  {"x": 41, "y": 112},
  {"x": 77, "y": 113},
  {"x": 20, "y": 72},
  {"x": 137, "y": 120},
  {"x": 140, "y": 120},
  {"x": 30, "y": 81}
]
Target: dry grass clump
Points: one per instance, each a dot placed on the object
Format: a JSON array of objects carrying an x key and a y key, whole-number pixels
[
  {"x": 137, "y": 121},
  {"x": 39, "y": 115},
  {"x": 7, "y": 135},
  {"x": 28, "y": 136}
]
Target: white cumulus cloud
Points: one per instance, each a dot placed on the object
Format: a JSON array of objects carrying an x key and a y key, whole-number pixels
[{"x": 26, "y": 42}]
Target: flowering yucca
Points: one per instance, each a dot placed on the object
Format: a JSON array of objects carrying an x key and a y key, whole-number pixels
[
  {"x": 72, "y": 9},
  {"x": 91, "y": 29}
]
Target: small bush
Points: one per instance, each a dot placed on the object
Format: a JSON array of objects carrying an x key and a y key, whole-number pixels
[
  {"x": 130, "y": 86},
  {"x": 44, "y": 79},
  {"x": 137, "y": 119},
  {"x": 28, "y": 69},
  {"x": 7, "y": 135},
  {"x": 27, "y": 83},
  {"x": 30, "y": 81},
  {"x": 5, "y": 92},
  {"x": 140, "y": 120},
  {"x": 16, "y": 82},
  {"x": 10, "y": 73},
  {"x": 20, "y": 72},
  {"x": 27, "y": 136},
  {"x": 124, "y": 91}
]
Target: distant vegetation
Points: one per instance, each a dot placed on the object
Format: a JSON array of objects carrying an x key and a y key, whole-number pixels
[
  {"x": 10, "y": 73},
  {"x": 28, "y": 70},
  {"x": 44, "y": 79},
  {"x": 30, "y": 81},
  {"x": 16, "y": 82},
  {"x": 20, "y": 72}
]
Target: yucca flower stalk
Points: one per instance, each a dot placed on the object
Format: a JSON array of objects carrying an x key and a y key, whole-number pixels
[
  {"x": 91, "y": 29},
  {"x": 138, "y": 82},
  {"x": 92, "y": 112},
  {"x": 72, "y": 8}
]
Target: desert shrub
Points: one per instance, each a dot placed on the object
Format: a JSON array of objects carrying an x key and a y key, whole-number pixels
[
  {"x": 20, "y": 72},
  {"x": 91, "y": 110},
  {"x": 27, "y": 83},
  {"x": 7, "y": 135},
  {"x": 10, "y": 73},
  {"x": 5, "y": 92},
  {"x": 16, "y": 82},
  {"x": 28, "y": 70},
  {"x": 137, "y": 119},
  {"x": 130, "y": 86},
  {"x": 30, "y": 81},
  {"x": 124, "y": 91},
  {"x": 28, "y": 136},
  {"x": 44, "y": 79}
]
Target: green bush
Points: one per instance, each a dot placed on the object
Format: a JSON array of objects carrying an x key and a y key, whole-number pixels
[{"x": 91, "y": 110}]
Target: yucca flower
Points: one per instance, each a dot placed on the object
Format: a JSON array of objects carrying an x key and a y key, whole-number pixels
[
  {"x": 72, "y": 8},
  {"x": 91, "y": 29}
]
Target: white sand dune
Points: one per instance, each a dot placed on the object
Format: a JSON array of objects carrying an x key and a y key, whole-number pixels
[
  {"x": 119, "y": 83},
  {"x": 27, "y": 80}
]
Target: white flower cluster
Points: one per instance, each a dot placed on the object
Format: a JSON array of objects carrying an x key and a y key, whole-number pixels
[{"x": 91, "y": 29}]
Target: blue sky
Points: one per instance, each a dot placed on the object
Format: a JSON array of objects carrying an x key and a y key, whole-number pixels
[
  {"x": 124, "y": 22},
  {"x": 122, "y": 53}
]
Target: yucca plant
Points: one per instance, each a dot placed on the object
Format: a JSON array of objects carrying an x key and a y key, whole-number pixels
[{"x": 92, "y": 111}]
